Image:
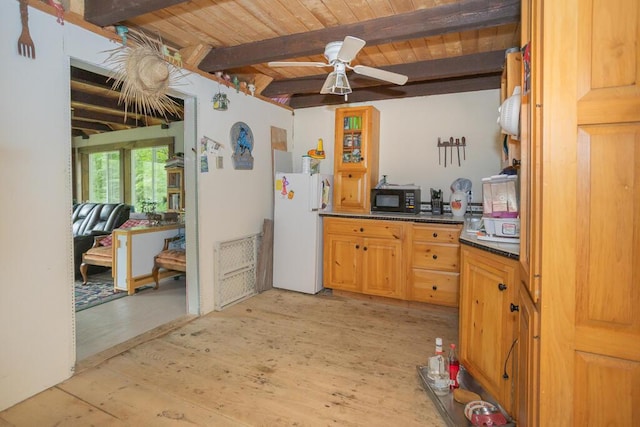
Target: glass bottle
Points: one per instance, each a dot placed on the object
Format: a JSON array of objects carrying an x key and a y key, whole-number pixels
[{"x": 454, "y": 366}]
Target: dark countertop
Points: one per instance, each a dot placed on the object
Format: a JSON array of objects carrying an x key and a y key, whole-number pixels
[
  {"x": 509, "y": 250},
  {"x": 423, "y": 217}
]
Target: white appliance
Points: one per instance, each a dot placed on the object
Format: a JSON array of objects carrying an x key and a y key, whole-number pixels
[{"x": 297, "y": 230}]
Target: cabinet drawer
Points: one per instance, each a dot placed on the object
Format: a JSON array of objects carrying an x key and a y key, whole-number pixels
[
  {"x": 435, "y": 287},
  {"x": 445, "y": 257},
  {"x": 436, "y": 233},
  {"x": 364, "y": 228}
]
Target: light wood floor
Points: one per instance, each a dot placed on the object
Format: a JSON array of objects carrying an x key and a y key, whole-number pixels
[
  {"x": 107, "y": 325},
  {"x": 278, "y": 358}
]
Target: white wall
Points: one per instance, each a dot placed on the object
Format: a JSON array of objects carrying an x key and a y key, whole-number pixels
[
  {"x": 409, "y": 131},
  {"x": 37, "y": 317}
]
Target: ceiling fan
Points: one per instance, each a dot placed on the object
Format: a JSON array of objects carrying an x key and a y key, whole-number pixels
[{"x": 339, "y": 55}]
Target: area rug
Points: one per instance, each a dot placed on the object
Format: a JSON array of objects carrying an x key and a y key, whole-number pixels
[{"x": 98, "y": 290}]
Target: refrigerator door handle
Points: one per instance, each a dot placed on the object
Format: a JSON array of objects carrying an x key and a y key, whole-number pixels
[{"x": 315, "y": 192}]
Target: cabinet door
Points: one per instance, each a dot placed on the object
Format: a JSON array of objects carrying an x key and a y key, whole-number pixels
[
  {"x": 487, "y": 324},
  {"x": 351, "y": 194},
  {"x": 382, "y": 268},
  {"x": 342, "y": 262},
  {"x": 528, "y": 360}
]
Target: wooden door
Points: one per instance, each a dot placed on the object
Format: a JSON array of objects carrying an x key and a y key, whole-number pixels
[
  {"x": 530, "y": 144},
  {"x": 342, "y": 262},
  {"x": 487, "y": 322},
  {"x": 590, "y": 329},
  {"x": 382, "y": 267},
  {"x": 527, "y": 384},
  {"x": 351, "y": 191}
]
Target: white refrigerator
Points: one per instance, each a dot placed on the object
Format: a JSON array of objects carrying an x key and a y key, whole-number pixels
[{"x": 297, "y": 230}]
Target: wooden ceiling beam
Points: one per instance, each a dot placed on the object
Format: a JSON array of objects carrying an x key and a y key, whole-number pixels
[
  {"x": 114, "y": 104},
  {"x": 104, "y": 13},
  {"x": 111, "y": 117},
  {"x": 437, "y": 87},
  {"x": 468, "y": 65},
  {"x": 464, "y": 15},
  {"x": 80, "y": 124}
]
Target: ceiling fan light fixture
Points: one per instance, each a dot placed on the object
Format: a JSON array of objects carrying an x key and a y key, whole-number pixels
[{"x": 337, "y": 83}]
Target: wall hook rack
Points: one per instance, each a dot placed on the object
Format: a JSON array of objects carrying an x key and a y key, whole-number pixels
[{"x": 452, "y": 143}]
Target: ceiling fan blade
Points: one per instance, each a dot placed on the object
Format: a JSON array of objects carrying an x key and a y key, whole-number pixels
[
  {"x": 297, "y": 64},
  {"x": 350, "y": 48},
  {"x": 379, "y": 74}
]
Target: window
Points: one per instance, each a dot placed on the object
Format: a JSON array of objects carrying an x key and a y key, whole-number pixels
[
  {"x": 104, "y": 177},
  {"x": 149, "y": 177},
  {"x": 131, "y": 172}
]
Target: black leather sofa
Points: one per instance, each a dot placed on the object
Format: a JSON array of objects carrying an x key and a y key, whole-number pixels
[{"x": 94, "y": 219}]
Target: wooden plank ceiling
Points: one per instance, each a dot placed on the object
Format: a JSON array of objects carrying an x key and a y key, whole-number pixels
[{"x": 443, "y": 46}]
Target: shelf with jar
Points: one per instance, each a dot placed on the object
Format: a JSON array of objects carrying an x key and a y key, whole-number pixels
[{"x": 175, "y": 189}]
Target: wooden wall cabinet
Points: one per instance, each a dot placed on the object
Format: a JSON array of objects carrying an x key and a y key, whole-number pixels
[
  {"x": 488, "y": 321},
  {"x": 435, "y": 264},
  {"x": 357, "y": 139},
  {"x": 175, "y": 189},
  {"x": 364, "y": 256}
]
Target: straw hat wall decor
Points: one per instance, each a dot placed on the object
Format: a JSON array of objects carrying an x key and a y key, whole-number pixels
[{"x": 145, "y": 75}]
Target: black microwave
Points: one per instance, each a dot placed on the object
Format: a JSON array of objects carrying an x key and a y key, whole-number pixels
[{"x": 398, "y": 199}]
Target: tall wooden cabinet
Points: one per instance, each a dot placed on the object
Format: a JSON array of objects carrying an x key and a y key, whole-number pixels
[
  {"x": 582, "y": 244},
  {"x": 357, "y": 137}
]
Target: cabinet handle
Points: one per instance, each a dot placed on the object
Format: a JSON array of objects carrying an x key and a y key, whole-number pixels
[
  {"x": 434, "y": 287},
  {"x": 435, "y": 234},
  {"x": 364, "y": 248},
  {"x": 349, "y": 175},
  {"x": 435, "y": 256},
  {"x": 502, "y": 286},
  {"x": 362, "y": 159},
  {"x": 361, "y": 229},
  {"x": 513, "y": 307},
  {"x": 357, "y": 246}
]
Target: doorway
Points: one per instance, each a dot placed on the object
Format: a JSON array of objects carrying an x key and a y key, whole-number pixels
[{"x": 104, "y": 326}]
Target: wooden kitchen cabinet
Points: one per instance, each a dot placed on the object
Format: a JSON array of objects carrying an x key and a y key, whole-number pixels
[
  {"x": 435, "y": 264},
  {"x": 527, "y": 361},
  {"x": 488, "y": 320},
  {"x": 357, "y": 139},
  {"x": 363, "y": 256}
]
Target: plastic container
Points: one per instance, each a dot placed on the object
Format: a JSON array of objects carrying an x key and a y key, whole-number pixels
[
  {"x": 306, "y": 164},
  {"x": 502, "y": 227}
]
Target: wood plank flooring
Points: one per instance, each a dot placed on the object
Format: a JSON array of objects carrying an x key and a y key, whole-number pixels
[{"x": 278, "y": 358}]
